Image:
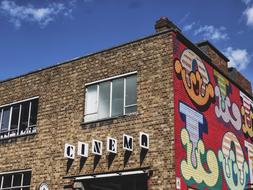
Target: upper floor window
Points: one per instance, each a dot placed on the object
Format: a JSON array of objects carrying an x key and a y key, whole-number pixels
[
  {"x": 18, "y": 118},
  {"x": 111, "y": 98},
  {"x": 15, "y": 180}
]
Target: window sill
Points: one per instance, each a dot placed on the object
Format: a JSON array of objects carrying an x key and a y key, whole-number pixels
[
  {"x": 107, "y": 121},
  {"x": 4, "y": 137}
]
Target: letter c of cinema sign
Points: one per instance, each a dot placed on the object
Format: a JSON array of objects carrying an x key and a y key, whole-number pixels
[{"x": 97, "y": 146}]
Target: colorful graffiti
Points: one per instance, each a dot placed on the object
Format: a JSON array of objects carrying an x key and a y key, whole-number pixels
[{"x": 213, "y": 126}]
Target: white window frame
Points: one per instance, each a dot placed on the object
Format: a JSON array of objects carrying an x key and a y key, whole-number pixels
[
  {"x": 124, "y": 76},
  {"x": 8, "y": 134},
  {"x": 12, "y": 173}
]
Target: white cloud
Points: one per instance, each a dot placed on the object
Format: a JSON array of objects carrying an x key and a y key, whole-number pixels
[
  {"x": 239, "y": 58},
  {"x": 19, "y": 13},
  {"x": 188, "y": 27},
  {"x": 249, "y": 15},
  {"x": 212, "y": 33},
  {"x": 246, "y": 1}
]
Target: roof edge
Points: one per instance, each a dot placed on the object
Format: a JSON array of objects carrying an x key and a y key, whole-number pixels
[
  {"x": 206, "y": 42},
  {"x": 87, "y": 55}
]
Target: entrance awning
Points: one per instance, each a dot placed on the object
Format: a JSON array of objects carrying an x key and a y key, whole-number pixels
[{"x": 120, "y": 180}]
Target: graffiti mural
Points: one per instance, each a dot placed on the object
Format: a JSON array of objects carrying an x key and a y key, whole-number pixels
[{"x": 213, "y": 126}]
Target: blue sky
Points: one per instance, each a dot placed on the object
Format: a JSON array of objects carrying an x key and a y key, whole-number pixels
[{"x": 36, "y": 34}]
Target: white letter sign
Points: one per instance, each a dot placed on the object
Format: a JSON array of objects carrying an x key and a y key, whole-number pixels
[
  {"x": 82, "y": 149},
  {"x": 144, "y": 140},
  {"x": 111, "y": 145},
  {"x": 69, "y": 151},
  {"x": 128, "y": 142},
  {"x": 97, "y": 147}
]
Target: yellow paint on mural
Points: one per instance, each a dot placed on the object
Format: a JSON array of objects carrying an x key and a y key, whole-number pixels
[
  {"x": 199, "y": 174},
  {"x": 247, "y": 129},
  {"x": 194, "y": 86}
]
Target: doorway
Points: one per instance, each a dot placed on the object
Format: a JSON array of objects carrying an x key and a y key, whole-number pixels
[{"x": 127, "y": 182}]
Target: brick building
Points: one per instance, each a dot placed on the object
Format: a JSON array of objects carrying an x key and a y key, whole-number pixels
[{"x": 156, "y": 113}]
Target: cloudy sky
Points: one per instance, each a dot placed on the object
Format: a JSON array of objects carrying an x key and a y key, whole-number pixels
[{"x": 36, "y": 34}]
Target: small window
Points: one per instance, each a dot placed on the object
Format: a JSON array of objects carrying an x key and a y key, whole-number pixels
[
  {"x": 15, "y": 180},
  {"x": 5, "y": 119},
  {"x": 15, "y": 116},
  {"x": 18, "y": 118},
  {"x": 111, "y": 98},
  {"x": 24, "y": 116}
]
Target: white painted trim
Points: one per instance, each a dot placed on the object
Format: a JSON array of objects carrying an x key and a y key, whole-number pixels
[
  {"x": 19, "y": 118},
  {"x": 111, "y": 78},
  {"x": 111, "y": 174},
  {"x": 10, "y": 116},
  {"x": 124, "y": 98},
  {"x": 29, "y": 116},
  {"x": 110, "y": 101},
  {"x": 17, "y": 102},
  {"x": 15, "y": 171},
  {"x": 132, "y": 172},
  {"x": 1, "y": 117}
]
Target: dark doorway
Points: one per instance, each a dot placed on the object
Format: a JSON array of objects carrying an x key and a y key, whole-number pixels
[{"x": 128, "y": 182}]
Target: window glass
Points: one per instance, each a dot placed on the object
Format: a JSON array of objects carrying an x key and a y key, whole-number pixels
[
  {"x": 111, "y": 98},
  {"x": 15, "y": 116},
  {"x": 24, "y": 116},
  {"x": 104, "y": 100},
  {"x": 34, "y": 110},
  {"x": 7, "y": 180},
  {"x": 91, "y": 99},
  {"x": 131, "y": 90},
  {"x": 27, "y": 178},
  {"x": 17, "y": 179},
  {"x": 5, "y": 119},
  {"x": 117, "y": 97},
  {"x": 130, "y": 109}
]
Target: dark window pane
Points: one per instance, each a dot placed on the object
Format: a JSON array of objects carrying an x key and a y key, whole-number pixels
[
  {"x": 117, "y": 97},
  {"x": 0, "y": 177},
  {"x": 24, "y": 116},
  {"x": 27, "y": 178},
  {"x": 7, "y": 180},
  {"x": 26, "y": 188},
  {"x": 131, "y": 90},
  {"x": 15, "y": 116},
  {"x": 17, "y": 179},
  {"x": 5, "y": 119},
  {"x": 34, "y": 111},
  {"x": 104, "y": 100}
]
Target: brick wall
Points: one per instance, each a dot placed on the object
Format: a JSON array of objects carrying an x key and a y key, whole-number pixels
[
  {"x": 61, "y": 108},
  {"x": 215, "y": 55}
]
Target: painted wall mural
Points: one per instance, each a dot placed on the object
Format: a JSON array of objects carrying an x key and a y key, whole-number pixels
[{"x": 213, "y": 126}]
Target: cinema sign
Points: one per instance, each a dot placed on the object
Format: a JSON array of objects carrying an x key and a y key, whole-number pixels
[{"x": 111, "y": 146}]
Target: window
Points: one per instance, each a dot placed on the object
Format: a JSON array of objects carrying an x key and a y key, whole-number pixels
[
  {"x": 111, "y": 98},
  {"x": 15, "y": 180},
  {"x": 18, "y": 119}
]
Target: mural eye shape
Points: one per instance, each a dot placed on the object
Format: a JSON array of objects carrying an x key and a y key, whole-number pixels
[
  {"x": 196, "y": 88},
  {"x": 194, "y": 65}
]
